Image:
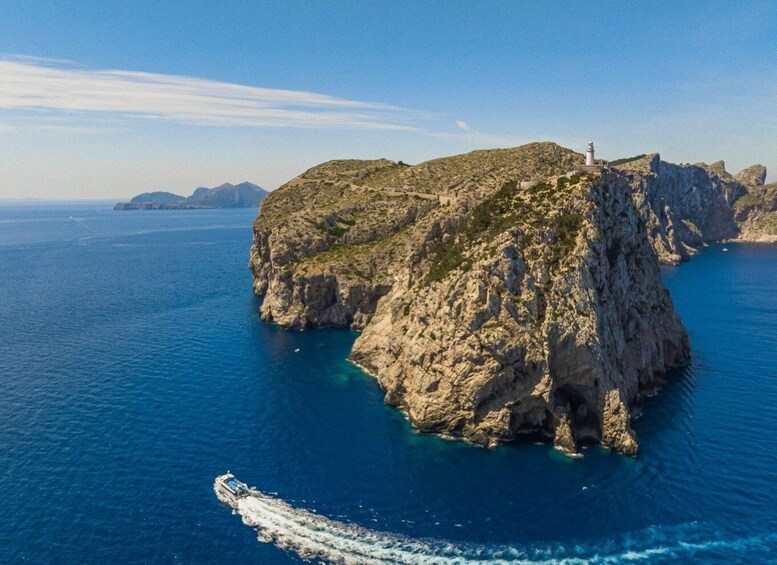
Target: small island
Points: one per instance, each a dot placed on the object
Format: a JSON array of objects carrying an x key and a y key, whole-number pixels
[{"x": 243, "y": 195}]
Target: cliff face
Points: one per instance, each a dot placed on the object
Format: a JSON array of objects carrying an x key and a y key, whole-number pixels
[
  {"x": 327, "y": 245},
  {"x": 756, "y": 211},
  {"x": 552, "y": 323},
  {"x": 686, "y": 206},
  {"x": 331, "y": 242},
  {"x": 498, "y": 296}
]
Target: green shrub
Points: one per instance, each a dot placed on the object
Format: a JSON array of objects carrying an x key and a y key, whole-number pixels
[
  {"x": 566, "y": 233},
  {"x": 746, "y": 201},
  {"x": 569, "y": 225},
  {"x": 336, "y": 231}
]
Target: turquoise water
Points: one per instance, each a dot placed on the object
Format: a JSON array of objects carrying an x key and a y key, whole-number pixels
[{"x": 134, "y": 369}]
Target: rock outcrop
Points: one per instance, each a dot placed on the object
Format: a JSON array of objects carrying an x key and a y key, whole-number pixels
[
  {"x": 550, "y": 324},
  {"x": 754, "y": 175},
  {"x": 684, "y": 206},
  {"x": 756, "y": 211},
  {"x": 501, "y": 294},
  {"x": 687, "y": 206}
]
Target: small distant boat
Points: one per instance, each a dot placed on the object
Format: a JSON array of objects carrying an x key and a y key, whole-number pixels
[
  {"x": 296, "y": 350},
  {"x": 725, "y": 249}
]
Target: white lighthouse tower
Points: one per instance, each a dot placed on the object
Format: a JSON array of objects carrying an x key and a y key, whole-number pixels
[{"x": 589, "y": 155}]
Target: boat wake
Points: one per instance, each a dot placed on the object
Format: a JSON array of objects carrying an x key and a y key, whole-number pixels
[{"x": 314, "y": 537}]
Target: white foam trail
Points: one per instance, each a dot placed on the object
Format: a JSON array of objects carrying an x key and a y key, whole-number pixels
[
  {"x": 312, "y": 536},
  {"x": 315, "y": 537}
]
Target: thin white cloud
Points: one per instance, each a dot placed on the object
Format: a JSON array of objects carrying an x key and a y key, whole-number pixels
[
  {"x": 37, "y": 60},
  {"x": 462, "y": 125},
  {"x": 35, "y": 84}
]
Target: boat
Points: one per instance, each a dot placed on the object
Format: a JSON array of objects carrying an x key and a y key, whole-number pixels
[{"x": 229, "y": 489}]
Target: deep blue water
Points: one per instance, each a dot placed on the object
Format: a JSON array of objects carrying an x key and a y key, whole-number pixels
[{"x": 134, "y": 369}]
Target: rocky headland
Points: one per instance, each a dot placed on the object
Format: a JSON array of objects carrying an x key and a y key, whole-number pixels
[
  {"x": 502, "y": 293},
  {"x": 243, "y": 195},
  {"x": 686, "y": 206}
]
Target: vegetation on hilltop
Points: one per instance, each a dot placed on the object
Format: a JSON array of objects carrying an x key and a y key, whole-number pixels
[
  {"x": 627, "y": 160},
  {"x": 346, "y": 205},
  {"x": 543, "y": 212}
]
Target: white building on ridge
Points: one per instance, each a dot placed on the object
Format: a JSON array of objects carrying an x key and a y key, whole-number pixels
[{"x": 589, "y": 155}]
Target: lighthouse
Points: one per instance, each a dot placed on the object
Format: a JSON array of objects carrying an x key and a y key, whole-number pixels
[{"x": 589, "y": 155}]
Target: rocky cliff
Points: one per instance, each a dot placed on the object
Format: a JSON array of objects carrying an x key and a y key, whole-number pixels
[
  {"x": 499, "y": 294},
  {"x": 686, "y": 206},
  {"x": 756, "y": 211}
]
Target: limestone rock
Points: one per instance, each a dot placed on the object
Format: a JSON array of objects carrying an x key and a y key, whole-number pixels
[
  {"x": 754, "y": 175},
  {"x": 684, "y": 206},
  {"x": 687, "y": 206},
  {"x": 549, "y": 326},
  {"x": 501, "y": 294},
  {"x": 756, "y": 214}
]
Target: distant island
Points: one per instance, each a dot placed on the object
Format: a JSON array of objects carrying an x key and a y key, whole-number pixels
[{"x": 243, "y": 195}]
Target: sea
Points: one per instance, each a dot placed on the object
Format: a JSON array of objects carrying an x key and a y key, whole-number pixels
[{"x": 134, "y": 369}]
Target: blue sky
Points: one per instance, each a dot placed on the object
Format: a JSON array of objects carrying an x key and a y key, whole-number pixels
[{"x": 108, "y": 99}]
